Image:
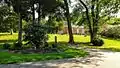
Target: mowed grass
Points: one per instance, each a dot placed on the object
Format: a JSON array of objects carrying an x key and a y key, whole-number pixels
[
  {"x": 7, "y": 38},
  {"x": 65, "y": 38},
  {"x": 111, "y": 44},
  {"x": 10, "y": 58}
]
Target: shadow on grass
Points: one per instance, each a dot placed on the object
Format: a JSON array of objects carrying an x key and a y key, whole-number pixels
[
  {"x": 65, "y": 63},
  {"x": 10, "y": 58},
  {"x": 62, "y": 42},
  {"x": 111, "y": 49},
  {"x": 5, "y": 34},
  {"x": 117, "y": 39},
  {"x": 63, "y": 60},
  {"x": 102, "y": 48},
  {"x": 86, "y": 45},
  {"x": 7, "y": 41}
]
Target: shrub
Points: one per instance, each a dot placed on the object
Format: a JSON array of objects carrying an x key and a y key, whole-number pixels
[
  {"x": 98, "y": 42},
  {"x": 112, "y": 32},
  {"x": 6, "y": 46},
  {"x": 35, "y": 35},
  {"x": 16, "y": 46}
]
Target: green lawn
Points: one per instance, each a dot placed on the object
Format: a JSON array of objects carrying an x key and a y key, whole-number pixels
[
  {"x": 5, "y": 37},
  {"x": 10, "y": 58},
  {"x": 109, "y": 43},
  {"x": 65, "y": 38}
]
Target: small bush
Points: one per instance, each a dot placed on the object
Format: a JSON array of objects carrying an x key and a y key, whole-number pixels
[
  {"x": 97, "y": 42},
  {"x": 6, "y": 46},
  {"x": 16, "y": 46},
  {"x": 35, "y": 35}
]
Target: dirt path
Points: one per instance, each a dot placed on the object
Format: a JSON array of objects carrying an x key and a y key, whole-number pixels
[{"x": 96, "y": 59}]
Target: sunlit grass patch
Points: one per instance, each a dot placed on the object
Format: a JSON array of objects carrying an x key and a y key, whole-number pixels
[{"x": 110, "y": 44}]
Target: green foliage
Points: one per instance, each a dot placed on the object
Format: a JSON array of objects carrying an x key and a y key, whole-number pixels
[
  {"x": 16, "y": 46},
  {"x": 97, "y": 42},
  {"x": 8, "y": 19},
  {"x": 114, "y": 21},
  {"x": 112, "y": 32},
  {"x": 54, "y": 25},
  {"x": 6, "y": 46},
  {"x": 35, "y": 35},
  {"x": 96, "y": 11}
]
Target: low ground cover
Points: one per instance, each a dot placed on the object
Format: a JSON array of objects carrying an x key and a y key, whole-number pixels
[{"x": 11, "y": 57}]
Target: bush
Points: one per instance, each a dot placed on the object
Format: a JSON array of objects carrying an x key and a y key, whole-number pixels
[
  {"x": 16, "y": 46},
  {"x": 112, "y": 32},
  {"x": 35, "y": 35},
  {"x": 6, "y": 46},
  {"x": 97, "y": 42}
]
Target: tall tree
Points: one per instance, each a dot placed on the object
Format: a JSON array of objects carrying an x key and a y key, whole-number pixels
[
  {"x": 20, "y": 7},
  {"x": 17, "y": 7},
  {"x": 67, "y": 14},
  {"x": 97, "y": 9},
  {"x": 8, "y": 19},
  {"x": 88, "y": 18}
]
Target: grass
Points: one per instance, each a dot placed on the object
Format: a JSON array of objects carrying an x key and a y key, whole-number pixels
[
  {"x": 65, "y": 38},
  {"x": 6, "y": 57},
  {"x": 110, "y": 44},
  {"x": 10, "y": 58},
  {"x": 7, "y": 38}
]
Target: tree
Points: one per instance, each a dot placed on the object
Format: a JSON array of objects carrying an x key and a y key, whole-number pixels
[
  {"x": 67, "y": 14},
  {"x": 35, "y": 35},
  {"x": 88, "y": 18},
  {"x": 8, "y": 19},
  {"x": 20, "y": 7},
  {"x": 46, "y": 7},
  {"x": 53, "y": 25},
  {"x": 97, "y": 9}
]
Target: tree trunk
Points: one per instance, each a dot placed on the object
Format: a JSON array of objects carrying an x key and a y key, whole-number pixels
[
  {"x": 70, "y": 31},
  {"x": 93, "y": 18},
  {"x": 11, "y": 31},
  {"x": 33, "y": 13},
  {"x": 20, "y": 29},
  {"x": 39, "y": 13},
  {"x": 89, "y": 22},
  {"x": 96, "y": 18},
  {"x": 71, "y": 39}
]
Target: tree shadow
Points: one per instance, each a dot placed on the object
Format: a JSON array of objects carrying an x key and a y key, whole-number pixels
[
  {"x": 111, "y": 49},
  {"x": 7, "y": 41},
  {"x": 5, "y": 34},
  {"x": 117, "y": 39},
  {"x": 75, "y": 43},
  {"x": 92, "y": 59}
]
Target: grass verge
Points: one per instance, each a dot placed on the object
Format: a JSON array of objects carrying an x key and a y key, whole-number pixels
[{"x": 10, "y": 58}]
